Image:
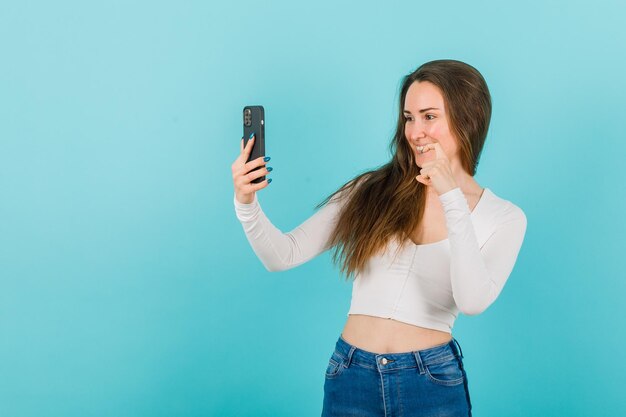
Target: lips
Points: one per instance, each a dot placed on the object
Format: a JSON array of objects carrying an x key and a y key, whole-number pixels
[{"x": 421, "y": 147}]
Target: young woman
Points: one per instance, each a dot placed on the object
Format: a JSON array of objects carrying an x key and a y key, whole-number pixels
[{"x": 422, "y": 240}]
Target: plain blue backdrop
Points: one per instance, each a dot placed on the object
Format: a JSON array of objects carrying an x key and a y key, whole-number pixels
[{"x": 127, "y": 285}]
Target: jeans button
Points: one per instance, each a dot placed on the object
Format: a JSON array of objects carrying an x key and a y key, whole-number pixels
[{"x": 383, "y": 361}]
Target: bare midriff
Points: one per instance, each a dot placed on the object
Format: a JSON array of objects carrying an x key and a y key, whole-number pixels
[{"x": 380, "y": 335}]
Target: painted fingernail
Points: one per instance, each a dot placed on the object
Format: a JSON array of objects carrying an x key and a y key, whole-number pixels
[
  {"x": 267, "y": 158},
  {"x": 269, "y": 168},
  {"x": 251, "y": 134},
  {"x": 269, "y": 180}
]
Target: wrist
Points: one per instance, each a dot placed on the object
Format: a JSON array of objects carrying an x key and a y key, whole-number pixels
[{"x": 245, "y": 198}]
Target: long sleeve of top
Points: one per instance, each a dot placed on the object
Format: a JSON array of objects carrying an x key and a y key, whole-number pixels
[
  {"x": 279, "y": 251},
  {"x": 479, "y": 274}
]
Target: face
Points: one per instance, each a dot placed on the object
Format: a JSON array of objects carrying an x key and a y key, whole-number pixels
[{"x": 426, "y": 122}]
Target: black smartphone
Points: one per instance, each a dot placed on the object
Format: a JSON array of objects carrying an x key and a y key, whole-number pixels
[{"x": 254, "y": 121}]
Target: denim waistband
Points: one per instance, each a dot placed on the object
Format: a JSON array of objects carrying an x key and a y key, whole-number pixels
[{"x": 354, "y": 355}]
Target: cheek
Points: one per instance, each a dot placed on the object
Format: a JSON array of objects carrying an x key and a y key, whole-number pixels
[
  {"x": 435, "y": 130},
  {"x": 440, "y": 132}
]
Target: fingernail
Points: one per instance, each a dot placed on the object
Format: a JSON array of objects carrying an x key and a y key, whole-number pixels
[
  {"x": 251, "y": 134},
  {"x": 269, "y": 168},
  {"x": 269, "y": 180},
  {"x": 267, "y": 158}
]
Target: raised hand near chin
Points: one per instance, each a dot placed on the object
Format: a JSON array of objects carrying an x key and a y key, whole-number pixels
[{"x": 437, "y": 173}]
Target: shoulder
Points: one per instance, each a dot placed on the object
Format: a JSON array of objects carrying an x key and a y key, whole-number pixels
[{"x": 502, "y": 210}]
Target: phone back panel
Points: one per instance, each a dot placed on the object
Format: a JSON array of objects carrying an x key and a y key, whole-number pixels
[{"x": 254, "y": 121}]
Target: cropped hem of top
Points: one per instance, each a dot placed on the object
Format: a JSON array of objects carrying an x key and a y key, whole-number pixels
[{"x": 425, "y": 285}]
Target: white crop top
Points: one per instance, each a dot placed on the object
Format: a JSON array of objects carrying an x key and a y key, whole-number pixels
[{"x": 424, "y": 285}]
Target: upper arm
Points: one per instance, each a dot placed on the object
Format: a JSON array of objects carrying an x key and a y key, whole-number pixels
[
  {"x": 500, "y": 253},
  {"x": 311, "y": 237}
]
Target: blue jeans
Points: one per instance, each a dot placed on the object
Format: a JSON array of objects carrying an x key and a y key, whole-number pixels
[{"x": 428, "y": 382}]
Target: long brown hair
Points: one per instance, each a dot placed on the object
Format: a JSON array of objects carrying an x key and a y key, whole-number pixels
[{"x": 388, "y": 202}]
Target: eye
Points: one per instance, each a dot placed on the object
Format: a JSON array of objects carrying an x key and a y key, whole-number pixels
[
  {"x": 407, "y": 118},
  {"x": 429, "y": 115}
]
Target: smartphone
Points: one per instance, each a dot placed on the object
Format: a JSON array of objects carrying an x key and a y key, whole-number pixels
[{"x": 254, "y": 121}]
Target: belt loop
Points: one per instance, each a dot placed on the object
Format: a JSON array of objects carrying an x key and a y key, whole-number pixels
[
  {"x": 460, "y": 350},
  {"x": 418, "y": 359},
  {"x": 350, "y": 353}
]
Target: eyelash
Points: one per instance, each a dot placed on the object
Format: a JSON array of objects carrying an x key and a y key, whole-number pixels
[{"x": 407, "y": 119}]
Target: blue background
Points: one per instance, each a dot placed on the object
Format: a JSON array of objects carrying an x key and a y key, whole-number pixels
[{"x": 127, "y": 286}]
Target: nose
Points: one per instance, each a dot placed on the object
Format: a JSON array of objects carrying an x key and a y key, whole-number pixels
[{"x": 414, "y": 131}]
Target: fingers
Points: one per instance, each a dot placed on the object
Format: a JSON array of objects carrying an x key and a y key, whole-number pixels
[
  {"x": 425, "y": 173},
  {"x": 244, "y": 151},
  {"x": 241, "y": 169},
  {"x": 240, "y": 163},
  {"x": 247, "y": 186},
  {"x": 439, "y": 153},
  {"x": 244, "y": 154},
  {"x": 436, "y": 146},
  {"x": 249, "y": 166},
  {"x": 254, "y": 174},
  {"x": 254, "y": 187},
  {"x": 424, "y": 179},
  {"x": 248, "y": 148},
  {"x": 245, "y": 172}
]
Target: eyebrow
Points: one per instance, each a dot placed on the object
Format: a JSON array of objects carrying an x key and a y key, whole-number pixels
[{"x": 423, "y": 110}]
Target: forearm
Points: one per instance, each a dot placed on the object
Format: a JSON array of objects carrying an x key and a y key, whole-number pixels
[
  {"x": 267, "y": 241},
  {"x": 279, "y": 251},
  {"x": 479, "y": 274}
]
